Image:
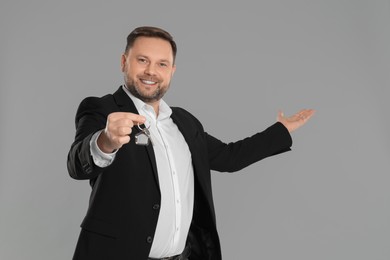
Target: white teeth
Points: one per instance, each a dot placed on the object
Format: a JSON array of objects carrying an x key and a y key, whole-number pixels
[{"x": 148, "y": 82}]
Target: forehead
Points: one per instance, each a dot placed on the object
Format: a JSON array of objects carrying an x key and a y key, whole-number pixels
[{"x": 154, "y": 48}]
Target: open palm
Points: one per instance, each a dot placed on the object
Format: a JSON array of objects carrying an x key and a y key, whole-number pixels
[{"x": 297, "y": 120}]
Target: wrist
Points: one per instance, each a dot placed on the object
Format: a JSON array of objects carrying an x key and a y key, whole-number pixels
[{"x": 103, "y": 143}]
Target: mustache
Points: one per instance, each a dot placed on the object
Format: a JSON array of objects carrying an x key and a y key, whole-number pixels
[{"x": 150, "y": 78}]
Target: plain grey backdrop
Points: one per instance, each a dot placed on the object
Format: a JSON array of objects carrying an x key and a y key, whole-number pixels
[{"x": 237, "y": 64}]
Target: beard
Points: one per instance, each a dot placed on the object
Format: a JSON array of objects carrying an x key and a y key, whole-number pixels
[{"x": 142, "y": 94}]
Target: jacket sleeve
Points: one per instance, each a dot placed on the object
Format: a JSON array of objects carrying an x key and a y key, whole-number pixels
[
  {"x": 90, "y": 118},
  {"x": 238, "y": 155}
]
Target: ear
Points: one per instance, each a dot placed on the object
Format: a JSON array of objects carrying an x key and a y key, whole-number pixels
[
  {"x": 123, "y": 62},
  {"x": 173, "y": 69}
]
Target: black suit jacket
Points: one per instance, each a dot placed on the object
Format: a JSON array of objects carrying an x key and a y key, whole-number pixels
[{"x": 125, "y": 199}]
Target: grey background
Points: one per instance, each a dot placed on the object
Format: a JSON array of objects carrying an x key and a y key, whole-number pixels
[{"x": 238, "y": 63}]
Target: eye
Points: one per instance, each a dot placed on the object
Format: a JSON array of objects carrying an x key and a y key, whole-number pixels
[
  {"x": 142, "y": 60},
  {"x": 162, "y": 64}
]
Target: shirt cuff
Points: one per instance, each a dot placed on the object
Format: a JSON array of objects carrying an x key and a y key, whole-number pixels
[{"x": 100, "y": 158}]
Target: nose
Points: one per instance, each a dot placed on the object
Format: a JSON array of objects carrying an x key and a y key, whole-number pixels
[{"x": 150, "y": 70}]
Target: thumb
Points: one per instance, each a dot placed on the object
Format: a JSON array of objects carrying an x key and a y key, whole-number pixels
[{"x": 280, "y": 114}]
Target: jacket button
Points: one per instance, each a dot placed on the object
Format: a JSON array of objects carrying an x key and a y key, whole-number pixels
[
  {"x": 87, "y": 168},
  {"x": 149, "y": 239},
  {"x": 156, "y": 206}
]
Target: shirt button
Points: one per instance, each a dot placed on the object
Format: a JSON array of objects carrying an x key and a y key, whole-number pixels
[
  {"x": 156, "y": 206},
  {"x": 149, "y": 239}
]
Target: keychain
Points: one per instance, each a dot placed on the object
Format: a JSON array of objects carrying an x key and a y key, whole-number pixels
[{"x": 143, "y": 137}]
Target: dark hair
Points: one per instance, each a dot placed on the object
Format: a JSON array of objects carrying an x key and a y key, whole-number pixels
[{"x": 148, "y": 31}]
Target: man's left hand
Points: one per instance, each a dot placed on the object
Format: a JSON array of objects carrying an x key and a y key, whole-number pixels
[{"x": 294, "y": 122}]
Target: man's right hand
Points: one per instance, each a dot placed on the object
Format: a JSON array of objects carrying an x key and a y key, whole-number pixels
[{"x": 118, "y": 129}]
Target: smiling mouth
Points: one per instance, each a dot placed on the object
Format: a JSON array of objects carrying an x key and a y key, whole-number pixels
[{"x": 148, "y": 82}]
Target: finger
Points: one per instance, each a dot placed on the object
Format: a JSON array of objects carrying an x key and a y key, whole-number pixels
[
  {"x": 121, "y": 140},
  {"x": 311, "y": 112},
  {"x": 137, "y": 119},
  {"x": 123, "y": 122},
  {"x": 302, "y": 112},
  {"x": 308, "y": 113},
  {"x": 113, "y": 117},
  {"x": 125, "y": 130},
  {"x": 297, "y": 115},
  {"x": 115, "y": 130},
  {"x": 305, "y": 112},
  {"x": 280, "y": 115},
  {"x": 124, "y": 139}
]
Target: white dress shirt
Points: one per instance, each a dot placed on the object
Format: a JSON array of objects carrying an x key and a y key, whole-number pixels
[{"x": 175, "y": 173}]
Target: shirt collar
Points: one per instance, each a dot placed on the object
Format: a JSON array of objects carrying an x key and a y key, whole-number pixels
[{"x": 164, "y": 110}]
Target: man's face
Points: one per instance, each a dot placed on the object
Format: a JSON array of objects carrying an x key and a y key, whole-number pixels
[{"x": 148, "y": 68}]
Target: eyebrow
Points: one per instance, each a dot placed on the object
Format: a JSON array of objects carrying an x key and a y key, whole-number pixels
[
  {"x": 166, "y": 61},
  {"x": 162, "y": 60}
]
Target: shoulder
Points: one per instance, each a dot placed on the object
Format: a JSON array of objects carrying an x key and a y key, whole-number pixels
[
  {"x": 94, "y": 102},
  {"x": 110, "y": 102},
  {"x": 182, "y": 114},
  {"x": 181, "y": 111},
  {"x": 97, "y": 106}
]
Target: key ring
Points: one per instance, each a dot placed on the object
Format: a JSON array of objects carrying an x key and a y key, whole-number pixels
[
  {"x": 143, "y": 129},
  {"x": 143, "y": 137}
]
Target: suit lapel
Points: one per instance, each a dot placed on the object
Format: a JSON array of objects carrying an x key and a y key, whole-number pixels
[
  {"x": 185, "y": 128},
  {"x": 125, "y": 104},
  {"x": 189, "y": 131}
]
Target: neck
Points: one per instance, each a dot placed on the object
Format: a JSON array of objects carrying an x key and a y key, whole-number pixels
[{"x": 155, "y": 105}]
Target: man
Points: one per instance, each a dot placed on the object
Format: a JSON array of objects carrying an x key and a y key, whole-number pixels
[{"x": 149, "y": 164}]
